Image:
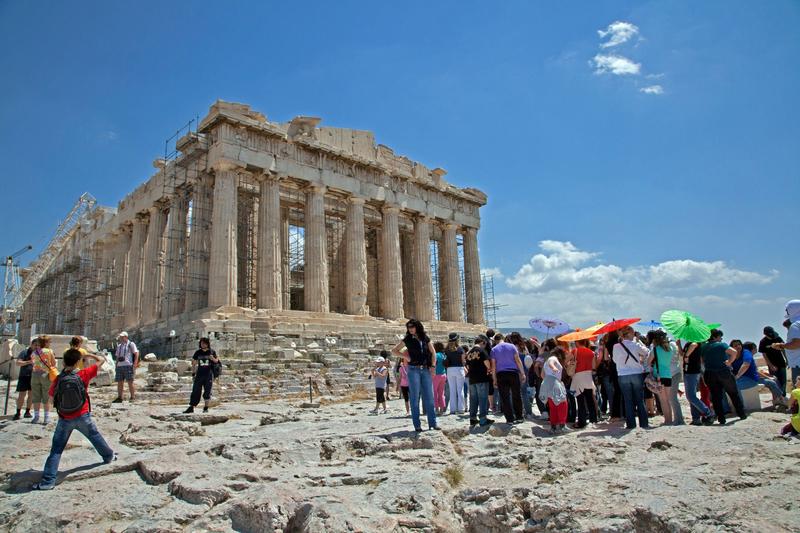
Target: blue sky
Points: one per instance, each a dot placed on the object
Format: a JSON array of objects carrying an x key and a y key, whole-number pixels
[{"x": 685, "y": 195}]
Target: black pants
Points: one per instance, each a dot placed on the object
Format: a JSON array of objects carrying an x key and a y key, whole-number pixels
[
  {"x": 719, "y": 382},
  {"x": 511, "y": 398},
  {"x": 201, "y": 382},
  {"x": 616, "y": 400},
  {"x": 586, "y": 407},
  {"x": 572, "y": 407}
]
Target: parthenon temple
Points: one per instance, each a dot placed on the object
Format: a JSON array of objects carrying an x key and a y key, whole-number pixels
[{"x": 251, "y": 226}]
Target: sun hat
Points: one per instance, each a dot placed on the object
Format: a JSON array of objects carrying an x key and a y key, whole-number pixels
[{"x": 452, "y": 337}]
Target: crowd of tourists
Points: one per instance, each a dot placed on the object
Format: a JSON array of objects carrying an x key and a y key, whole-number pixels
[{"x": 621, "y": 375}]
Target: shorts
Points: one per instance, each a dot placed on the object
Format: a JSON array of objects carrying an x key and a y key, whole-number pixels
[
  {"x": 379, "y": 396},
  {"x": 123, "y": 373},
  {"x": 24, "y": 383},
  {"x": 40, "y": 388},
  {"x": 667, "y": 382},
  {"x": 405, "y": 393}
]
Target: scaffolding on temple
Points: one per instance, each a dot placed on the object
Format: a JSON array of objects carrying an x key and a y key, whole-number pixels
[{"x": 490, "y": 307}]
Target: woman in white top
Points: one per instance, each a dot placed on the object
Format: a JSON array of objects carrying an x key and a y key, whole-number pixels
[
  {"x": 553, "y": 391},
  {"x": 628, "y": 355}
]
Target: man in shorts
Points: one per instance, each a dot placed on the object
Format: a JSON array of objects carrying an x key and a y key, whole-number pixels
[
  {"x": 127, "y": 361},
  {"x": 25, "y": 362}
]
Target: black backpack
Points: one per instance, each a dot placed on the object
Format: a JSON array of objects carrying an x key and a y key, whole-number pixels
[{"x": 70, "y": 393}]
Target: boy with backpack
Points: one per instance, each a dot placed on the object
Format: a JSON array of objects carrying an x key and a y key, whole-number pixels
[{"x": 70, "y": 393}]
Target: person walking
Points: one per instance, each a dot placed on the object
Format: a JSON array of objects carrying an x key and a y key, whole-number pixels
[
  {"x": 455, "y": 373},
  {"x": 25, "y": 362},
  {"x": 553, "y": 391},
  {"x": 44, "y": 363},
  {"x": 203, "y": 362},
  {"x": 421, "y": 359},
  {"x": 127, "y": 361},
  {"x": 776, "y": 359},
  {"x": 628, "y": 355},
  {"x": 70, "y": 393},
  {"x": 583, "y": 383},
  {"x": 717, "y": 359},
  {"x": 508, "y": 375},
  {"x": 439, "y": 378}
]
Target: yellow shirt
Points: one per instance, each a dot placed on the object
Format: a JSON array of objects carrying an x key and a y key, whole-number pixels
[
  {"x": 796, "y": 416},
  {"x": 84, "y": 353}
]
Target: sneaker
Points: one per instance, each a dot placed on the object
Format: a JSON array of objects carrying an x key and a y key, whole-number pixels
[
  {"x": 518, "y": 421},
  {"x": 435, "y": 428},
  {"x": 385, "y": 412},
  {"x": 45, "y": 421},
  {"x": 374, "y": 412},
  {"x": 110, "y": 459},
  {"x": 189, "y": 410},
  {"x": 27, "y": 414},
  {"x": 39, "y": 486},
  {"x": 118, "y": 400},
  {"x": 15, "y": 417},
  {"x": 707, "y": 420},
  {"x": 205, "y": 409},
  {"x": 35, "y": 420}
]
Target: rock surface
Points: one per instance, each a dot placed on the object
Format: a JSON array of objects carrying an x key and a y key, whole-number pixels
[{"x": 273, "y": 466}]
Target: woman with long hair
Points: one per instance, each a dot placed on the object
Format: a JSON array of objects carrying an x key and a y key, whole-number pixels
[
  {"x": 661, "y": 353},
  {"x": 420, "y": 357},
  {"x": 203, "y": 362}
]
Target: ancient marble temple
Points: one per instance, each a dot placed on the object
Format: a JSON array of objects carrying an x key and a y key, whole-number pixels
[{"x": 253, "y": 224}]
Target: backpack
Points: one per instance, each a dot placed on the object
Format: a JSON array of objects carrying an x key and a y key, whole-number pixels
[
  {"x": 70, "y": 393},
  {"x": 216, "y": 368}
]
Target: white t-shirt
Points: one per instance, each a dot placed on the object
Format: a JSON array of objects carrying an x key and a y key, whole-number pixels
[
  {"x": 630, "y": 364},
  {"x": 126, "y": 350},
  {"x": 793, "y": 356},
  {"x": 549, "y": 371}
]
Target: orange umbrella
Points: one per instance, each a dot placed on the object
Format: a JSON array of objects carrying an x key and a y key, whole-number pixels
[
  {"x": 614, "y": 325},
  {"x": 580, "y": 335}
]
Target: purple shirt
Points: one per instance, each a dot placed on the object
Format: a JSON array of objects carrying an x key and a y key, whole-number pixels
[{"x": 503, "y": 356}]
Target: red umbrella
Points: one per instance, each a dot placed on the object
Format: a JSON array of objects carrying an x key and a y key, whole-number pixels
[{"x": 614, "y": 325}]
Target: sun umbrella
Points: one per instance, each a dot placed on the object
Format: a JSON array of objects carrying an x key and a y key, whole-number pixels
[
  {"x": 614, "y": 325},
  {"x": 549, "y": 326},
  {"x": 650, "y": 325},
  {"x": 685, "y": 326},
  {"x": 583, "y": 334},
  {"x": 714, "y": 325}
]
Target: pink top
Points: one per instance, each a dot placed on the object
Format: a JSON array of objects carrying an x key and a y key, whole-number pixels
[{"x": 403, "y": 376}]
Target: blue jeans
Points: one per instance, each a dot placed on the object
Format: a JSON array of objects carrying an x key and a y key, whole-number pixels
[
  {"x": 606, "y": 393},
  {"x": 698, "y": 408},
  {"x": 632, "y": 388},
  {"x": 478, "y": 401},
  {"x": 795, "y": 374},
  {"x": 421, "y": 384},
  {"x": 780, "y": 378},
  {"x": 85, "y": 425},
  {"x": 746, "y": 382}
]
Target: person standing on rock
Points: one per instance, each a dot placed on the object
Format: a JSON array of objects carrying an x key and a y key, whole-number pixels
[
  {"x": 508, "y": 374},
  {"x": 439, "y": 379},
  {"x": 385, "y": 355},
  {"x": 479, "y": 372},
  {"x": 692, "y": 374},
  {"x": 583, "y": 384},
  {"x": 553, "y": 390},
  {"x": 43, "y": 362},
  {"x": 776, "y": 359},
  {"x": 792, "y": 344},
  {"x": 455, "y": 373},
  {"x": 203, "y": 362},
  {"x": 127, "y": 361},
  {"x": 717, "y": 359},
  {"x": 379, "y": 374},
  {"x": 25, "y": 362},
  {"x": 402, "y": 382},
  {"x": 628, "y": 355},
  {"x": 421, "y": 359},
  {"x": 70, "y": 393}
]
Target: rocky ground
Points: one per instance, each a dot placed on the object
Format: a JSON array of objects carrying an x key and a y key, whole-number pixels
[{"x": 275, "y": 466}]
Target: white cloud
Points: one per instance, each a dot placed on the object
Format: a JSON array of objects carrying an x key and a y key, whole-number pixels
[
  {"x": 618, "y": 33},
  {"x": 494, "y": 272},
  {"x": 575, "y": 285},
  {"x": 652, "y": 89},
  {"x": 615, "y": 64}
]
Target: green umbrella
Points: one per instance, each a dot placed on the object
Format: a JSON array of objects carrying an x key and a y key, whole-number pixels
[
  {"x": 714, "y": 325},
  {"x": 685, "y": 326}
]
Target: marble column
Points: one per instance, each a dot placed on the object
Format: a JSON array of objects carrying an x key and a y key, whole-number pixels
[
  {"x": 286, "y": 271},
  {"x": 176, "y": 238},
  {"x": 197, "y": 257},
  {"x": 315, "y": 286},
  {"x": 472, "y": 277},
  {"x": 134, "y": 282},
  {"x": 223, "y": 267},
  {"x": 391, "y": 292},
  {"x": 269, "y": 277},
  {"x": 152, "y": 264},
  {"x": 449, "y": 279},
  {"x": 423, "y": 283},
  {"x": 104, "y": 300},
  {"x": 356, "y": 259},
  {"x": 118, "y": 281}
]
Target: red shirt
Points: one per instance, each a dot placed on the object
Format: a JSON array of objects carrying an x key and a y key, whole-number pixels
[
  {"x": 584, "y": 359},
  {"x": 86, "y": 375}
]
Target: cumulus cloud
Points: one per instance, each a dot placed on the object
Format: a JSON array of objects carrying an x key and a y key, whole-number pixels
[
  {"x": 618, "y": 33},
  {"x": 576, "y": 285},
  {"x": 652, "y": 89},
  {"x": 493, "y": 272},
  {"x": 615, "y": 64}
]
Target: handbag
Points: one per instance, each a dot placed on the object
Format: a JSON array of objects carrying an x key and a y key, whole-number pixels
[
  {"x": 651, "y": 381},
  {"x": 52, "y": 371}
]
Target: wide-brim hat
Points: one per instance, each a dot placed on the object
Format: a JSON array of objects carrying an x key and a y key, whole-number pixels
[{"x": 452, "y": 337}]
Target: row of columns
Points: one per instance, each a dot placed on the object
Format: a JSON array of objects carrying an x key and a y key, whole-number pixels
[{"x": 148, "y": 269}]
